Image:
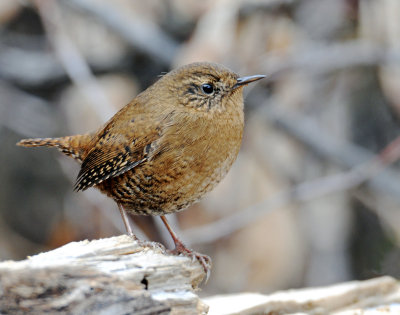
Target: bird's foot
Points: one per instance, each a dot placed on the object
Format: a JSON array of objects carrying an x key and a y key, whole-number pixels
[
  {"x": 204, "y": 260},
  {"x": 180, "y": 248}
]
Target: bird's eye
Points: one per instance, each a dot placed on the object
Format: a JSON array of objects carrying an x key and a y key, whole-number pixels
[{"x": 207, "y": 88}]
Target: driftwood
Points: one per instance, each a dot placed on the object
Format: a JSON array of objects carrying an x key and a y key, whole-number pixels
[
  {"x": 107, "y": 276},
  {"x": 121, "y": 276}
]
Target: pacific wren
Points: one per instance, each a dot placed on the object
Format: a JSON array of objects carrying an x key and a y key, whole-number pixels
[{"x": 166, "y": 148}]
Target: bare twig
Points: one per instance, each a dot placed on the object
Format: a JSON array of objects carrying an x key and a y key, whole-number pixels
[
  {"x": 36, "y": 68},
  {"x": 29, "y": 67},
  {"x": 115, "y": 275},
  {"x": 73, "y": 62},
  {"x": 327, "y": 58},
  {"x": 141, "y": 34},
  {"x": 24, "y": 113},
  {"x": 249, "y": 8}
]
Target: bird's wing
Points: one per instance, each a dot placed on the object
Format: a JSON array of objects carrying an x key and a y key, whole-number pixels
[{"x": 116, "y": 152}]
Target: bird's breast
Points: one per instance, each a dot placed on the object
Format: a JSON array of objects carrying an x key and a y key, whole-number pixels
[{"x": 199, "y": 156}]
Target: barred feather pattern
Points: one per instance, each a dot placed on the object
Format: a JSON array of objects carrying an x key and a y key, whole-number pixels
[{"x": 111, "y": 168}]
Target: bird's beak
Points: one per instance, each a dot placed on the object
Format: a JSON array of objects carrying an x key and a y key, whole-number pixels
[{"x": 246, "y": 80}]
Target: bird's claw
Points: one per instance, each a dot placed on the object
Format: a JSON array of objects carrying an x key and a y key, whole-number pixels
[{"x": 204, "y": 260}]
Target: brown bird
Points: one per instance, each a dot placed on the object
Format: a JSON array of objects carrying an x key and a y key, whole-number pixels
[{"x": 165, "y": 149}]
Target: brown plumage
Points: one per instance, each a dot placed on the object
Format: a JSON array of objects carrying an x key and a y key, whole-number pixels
[{"x": 166, "y": 148}]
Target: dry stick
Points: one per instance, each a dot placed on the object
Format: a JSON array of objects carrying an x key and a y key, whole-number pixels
[
  {"x": 29, "y": 67},
  {"x": 23, "y": 112},
  {"x": 37, "y": 68},
  {"x": 322, "y": 59},
  {"x": 303, "y": 192},
  {"x": 71, "y": 59},
  {"x": 142, "y": 35},
  {"x": 249, "y": 8}
]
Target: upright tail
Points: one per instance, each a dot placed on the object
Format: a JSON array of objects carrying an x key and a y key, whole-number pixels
[{"x": 73, "y": 146}]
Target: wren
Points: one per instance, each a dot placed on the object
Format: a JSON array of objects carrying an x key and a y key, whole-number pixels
[{"x": 169, "y": 146}]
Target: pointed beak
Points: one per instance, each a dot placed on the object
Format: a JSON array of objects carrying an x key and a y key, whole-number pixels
[{"x": 246, "y": 80}]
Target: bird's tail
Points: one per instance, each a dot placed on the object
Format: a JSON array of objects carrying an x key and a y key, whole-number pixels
[{"x": 73, "y": 146}]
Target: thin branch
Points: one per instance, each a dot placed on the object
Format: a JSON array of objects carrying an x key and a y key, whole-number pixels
[
  {"x": 73, "y": 62},
  {"x": 37, "y": 68},
  {"x": 25, "y": 113},
  {"x": 272, "y": 6},
  {"x": 323, "y": 59},
  {"x": 141, "y": 34}
]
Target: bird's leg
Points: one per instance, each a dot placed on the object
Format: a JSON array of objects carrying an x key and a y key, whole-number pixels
[
  {"x": 125, "y": 218},
  {"x": 126, "y": 221},
  {"x": 180, "y": 248}
]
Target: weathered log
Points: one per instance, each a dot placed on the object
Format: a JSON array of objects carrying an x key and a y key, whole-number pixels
[{"x": 108, "y": 276}]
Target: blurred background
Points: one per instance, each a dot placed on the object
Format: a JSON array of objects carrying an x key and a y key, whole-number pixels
[{"x": 314, "y": 196}]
